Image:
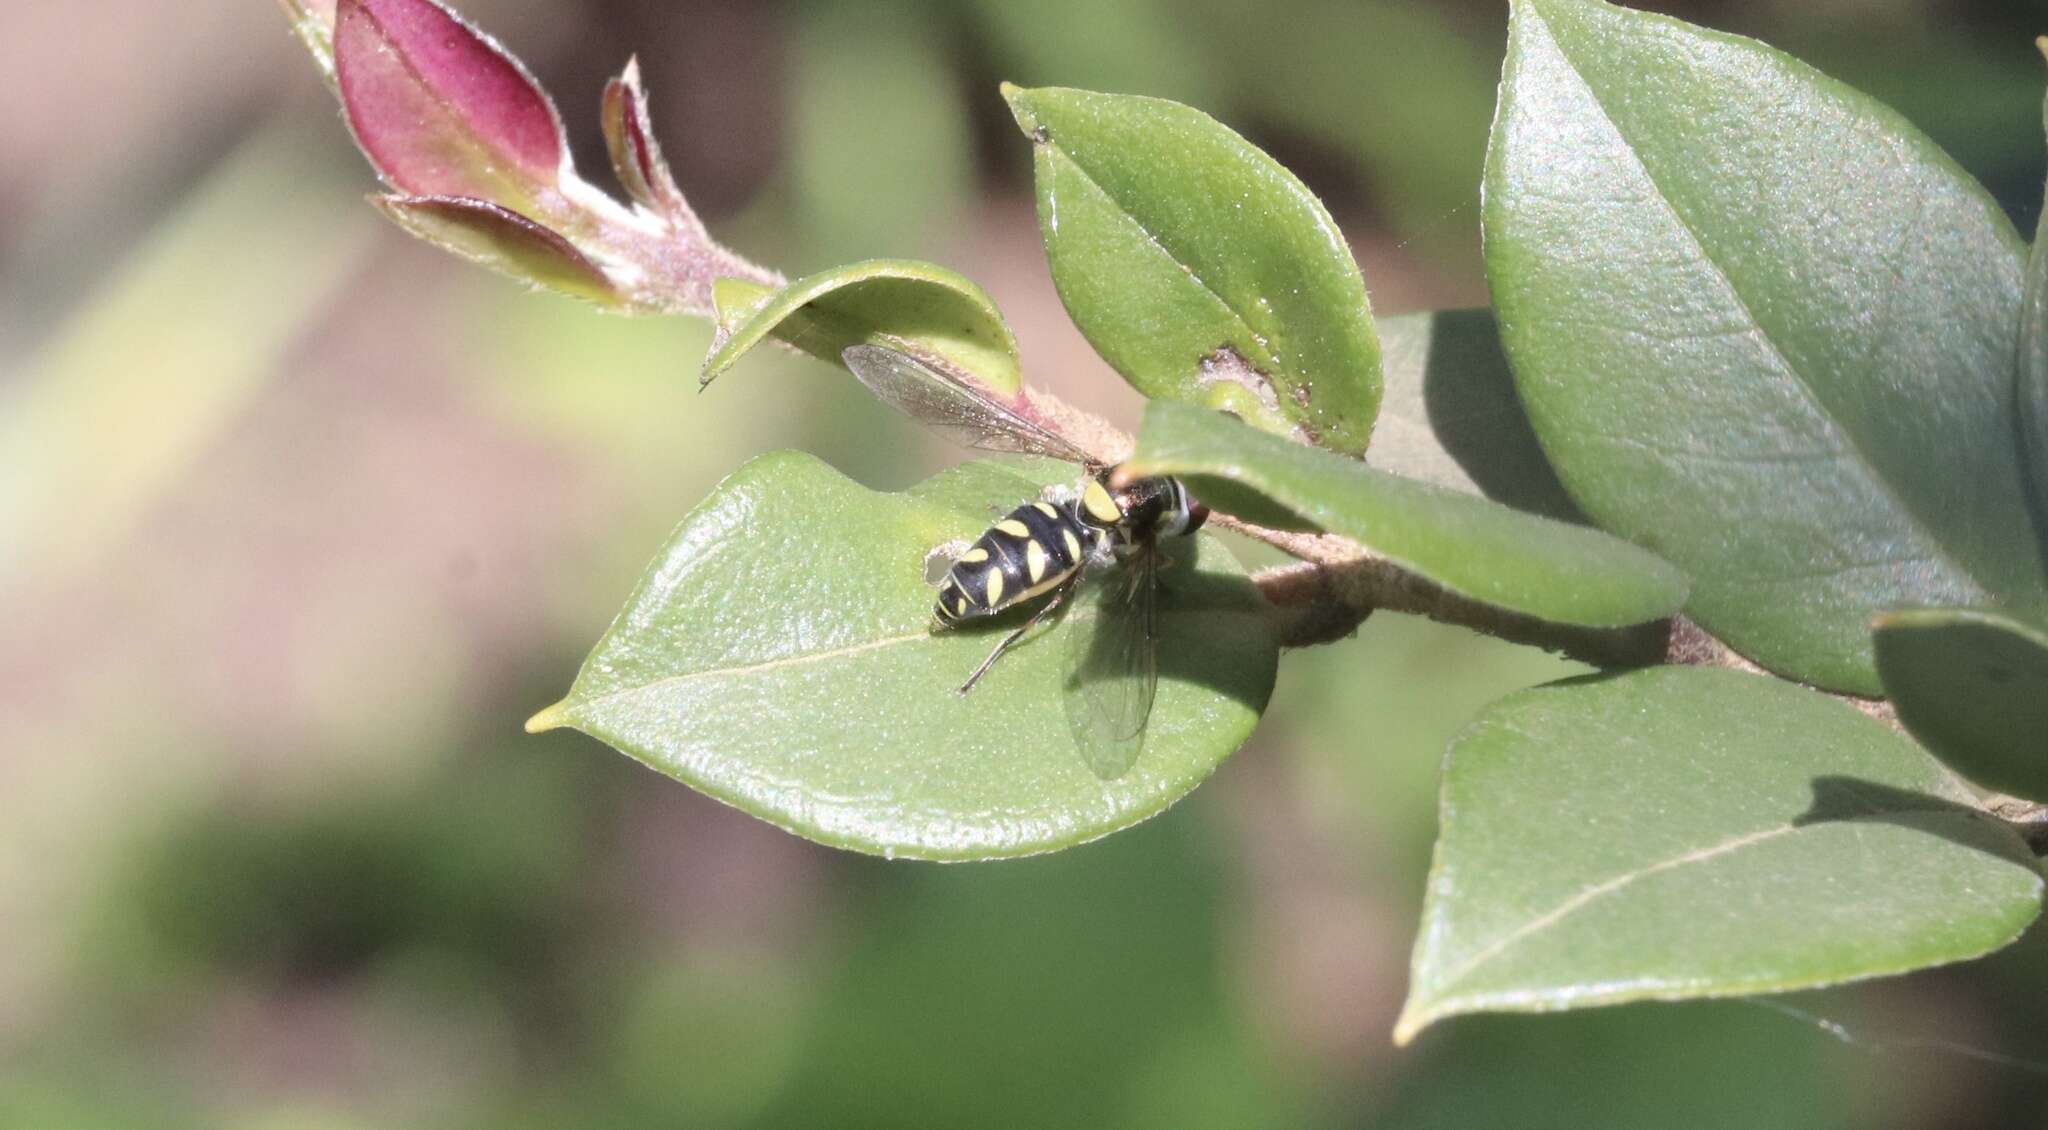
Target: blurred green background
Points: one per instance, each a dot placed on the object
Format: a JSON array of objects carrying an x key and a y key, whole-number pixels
[{"x": 299, "y": 520}]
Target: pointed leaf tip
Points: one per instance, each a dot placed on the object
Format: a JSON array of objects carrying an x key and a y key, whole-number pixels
[
  {"x": 899, "y": 303},
  {"x": 440, "y": 108},
  {"x": 552, "y": 718},
  {"x": 636, "y": 156},
  {"x": 1020, "y": 108}
]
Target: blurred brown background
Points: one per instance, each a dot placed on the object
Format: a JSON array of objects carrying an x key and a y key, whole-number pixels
[{"x": 298, "y": 520}]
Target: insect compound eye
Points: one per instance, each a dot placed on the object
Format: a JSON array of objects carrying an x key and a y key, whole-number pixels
[
  {"x": 1198, "y": 513},
  {"x": 1147, "y": 504}
]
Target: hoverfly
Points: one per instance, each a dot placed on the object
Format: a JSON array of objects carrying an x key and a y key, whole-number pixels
[{"x": 1106, "y": 529}]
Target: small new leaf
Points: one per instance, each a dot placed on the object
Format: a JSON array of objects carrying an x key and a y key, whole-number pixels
[
  {"x": 1793, "y": 383},
  {"x": 1972, "y": 685},
  {"x": 1198, "y": 267},
  {"x": 917, "y": 307},
  {"x": 1683, "y": 832},
  {"x": 502, "y": 240},
  {"x": 445, "y": 114},
  {"x": 636, "y": 155}
]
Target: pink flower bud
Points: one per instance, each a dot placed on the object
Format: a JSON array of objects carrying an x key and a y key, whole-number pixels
[{"x": 440, "y": 108}]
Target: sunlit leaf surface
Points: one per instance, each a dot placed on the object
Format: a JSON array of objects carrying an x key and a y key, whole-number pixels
[
  {"x": 1198, "y": 267},
  {"x": 1473, "y": 547},
  {"x": 919, "y": 307},
  {"x": 1763, "y": 326},
  {"x": 779, "y": 656},
  {"x": 1681, "y": 832}
]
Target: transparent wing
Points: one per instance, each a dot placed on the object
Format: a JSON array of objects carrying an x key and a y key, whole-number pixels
[
  {"x": 961, "y": 413},
  {"x": 1112, "y": 664},
  {"x": 939, "y": 560}
]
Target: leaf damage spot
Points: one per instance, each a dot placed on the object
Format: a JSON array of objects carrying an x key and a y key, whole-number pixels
[{"x": 1225, "y": 365}]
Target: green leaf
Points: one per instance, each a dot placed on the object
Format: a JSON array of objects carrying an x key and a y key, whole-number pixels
[
  {"x": 1763, "y": 327},
  {"x": 1520, "y": 562},
  {"x": 1198, "y": 267},
  {"x": 1973, "y": 687},
  {"x": 1684, "y": 832},
  {"x": 779, "y": 656},
  {"x": 2033, "y": 361},
  {"x": 502, "y": 240},
  {"x": 917, "y": 307},
  {"x": 1451, "y": 415}
]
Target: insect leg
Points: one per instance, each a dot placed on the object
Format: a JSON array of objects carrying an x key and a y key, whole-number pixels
[{"x": 1059, "y": 596}]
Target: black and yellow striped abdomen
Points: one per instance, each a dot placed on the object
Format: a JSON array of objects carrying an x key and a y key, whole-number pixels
[{"x": 1033, "y": 550}]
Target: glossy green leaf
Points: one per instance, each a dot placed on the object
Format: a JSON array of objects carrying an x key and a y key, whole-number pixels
[
  {"x": 1198, "y": 267},
  {"x": 1452, "y": 417},
  {"x": 1476, "y": 548},
  {"x": 918, "y": 307},
  {"x": 1684, "y": 832},
  {"x": 2033, "y": 361},
  {"x": 1973, "y": 687},
  {"x": 1763, "y": 326},
  {"x": 779, "y": 656}
]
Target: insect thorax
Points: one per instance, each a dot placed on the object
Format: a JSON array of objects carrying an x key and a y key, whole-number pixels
[{"x": 1150, "y": 507}]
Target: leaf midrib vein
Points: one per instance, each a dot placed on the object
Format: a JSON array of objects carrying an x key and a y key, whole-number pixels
[
  {"x": 1849, "y": 439},
  {"x": 1607, "y": 887},
  {"x": 1152, "y": 238},
  {"x": 753, "y": 668}
]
